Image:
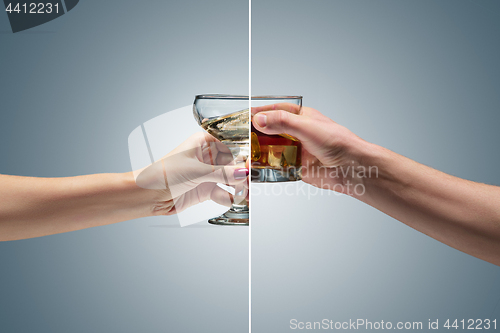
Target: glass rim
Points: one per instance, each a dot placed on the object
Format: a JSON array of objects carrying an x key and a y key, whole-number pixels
[{"x": 243, "y": 97}]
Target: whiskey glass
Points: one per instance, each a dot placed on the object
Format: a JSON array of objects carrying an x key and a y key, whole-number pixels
[
  {"x": 275, "y": 158},
  {"x": 226, "y": 117}
]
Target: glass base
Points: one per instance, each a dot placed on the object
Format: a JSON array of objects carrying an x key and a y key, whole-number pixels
[
  {"x": 275, "y": 175},
  {"x": 232, "y": 217}
]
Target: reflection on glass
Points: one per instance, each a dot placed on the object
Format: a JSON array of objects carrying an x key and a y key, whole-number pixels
[
  {"x": 275, "y": 158},
  {"x": 226, "y": 118}
]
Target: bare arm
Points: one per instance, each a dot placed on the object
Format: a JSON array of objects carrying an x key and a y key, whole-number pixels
[
  {"x": 457, "y": 212},
  {"x": 460, "y": 213},
  {"x": 33, "y": 207}
]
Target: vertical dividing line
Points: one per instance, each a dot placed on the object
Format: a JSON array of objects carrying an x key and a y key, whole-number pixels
[{"x": 250, "y": 166}]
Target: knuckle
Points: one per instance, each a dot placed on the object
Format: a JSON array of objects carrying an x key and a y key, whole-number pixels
[
  {"x": 283, "y": 118},
  {"x": 198, "y": 135},
  {"x": 291, "y": 106}
]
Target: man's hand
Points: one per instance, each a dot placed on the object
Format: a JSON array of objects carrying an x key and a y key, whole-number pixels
[{"x": 329, "y": 150}]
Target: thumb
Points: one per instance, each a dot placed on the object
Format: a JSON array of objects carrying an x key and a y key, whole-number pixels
[{"x": 283, "y": 122}]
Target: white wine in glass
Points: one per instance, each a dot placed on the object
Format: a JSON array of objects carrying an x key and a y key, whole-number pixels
[{"x": 226, "y": 117}]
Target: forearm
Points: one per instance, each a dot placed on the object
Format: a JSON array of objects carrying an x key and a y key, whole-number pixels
[
  {"x": 33, "y": 207},
  {"x": 457, "y": 212}
]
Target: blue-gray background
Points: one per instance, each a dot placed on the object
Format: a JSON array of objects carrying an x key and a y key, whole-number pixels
[
  {"x": 71, "y": 92},
  {"x": 421, "y": 78}
]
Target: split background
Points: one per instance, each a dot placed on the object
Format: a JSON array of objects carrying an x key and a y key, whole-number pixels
[{"x": 418, "y": 77}]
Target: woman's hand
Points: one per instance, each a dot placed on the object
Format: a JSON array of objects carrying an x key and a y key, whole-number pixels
[
  {"x": 189, "y": 175},
  {"x": 34, "y": 207}
]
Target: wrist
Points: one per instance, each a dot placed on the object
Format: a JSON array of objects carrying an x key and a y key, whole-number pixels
[
  {"x": 378, "y": 165},
  {"x": 145, "y": 201},
  {"x": 138, "y": 201},
  {"x": 369, "y": 162}
]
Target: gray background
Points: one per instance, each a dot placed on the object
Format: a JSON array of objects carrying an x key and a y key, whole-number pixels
[
  {"x": 418, "y": 77},
  {"x": 421, "y": 78},
  {"x": 71, "y": 92}
]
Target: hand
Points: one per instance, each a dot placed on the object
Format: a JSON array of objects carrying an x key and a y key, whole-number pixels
[
  {"x": 329, "y": 150},
  {"x": 189, "y": 175}
]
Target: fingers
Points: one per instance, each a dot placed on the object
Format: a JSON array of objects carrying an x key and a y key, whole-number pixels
[
  {"x": 219, "y": 147},
  {"x": 280, "y": 121},
  {"x": 222, "y": 197},
  {"x": 195, "y": 141},
  {"x": 289, "y": 107},
  {"x": 240, "y": 194},
  {"x": 201, "y": 193},
  {"x": 224, "y": 159},
  {"x": 229, "y": 174},
  {"x": 217, "y": 153},
  {"x": 210, "y": 191}
]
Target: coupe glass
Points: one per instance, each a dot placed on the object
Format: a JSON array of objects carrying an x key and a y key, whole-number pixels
[
  {"x": 275, "y": 158},
  {"x": 226, "y": 117}
]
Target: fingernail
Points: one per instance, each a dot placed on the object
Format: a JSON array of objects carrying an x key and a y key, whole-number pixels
[
  {"x": 240, "y": 173},
  {"x": 261, "y": 119}
]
